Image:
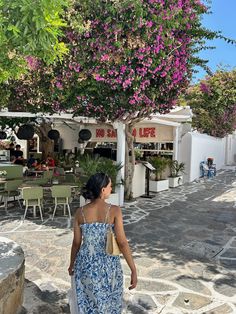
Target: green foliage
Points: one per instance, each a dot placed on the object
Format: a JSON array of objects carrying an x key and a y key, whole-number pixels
[
  {"x": 91, "y": 165},
  {"x": 160, "y": 164},
  {"x": 213, "y": 101},
  {"x": 30, "y": 28},
  {"x": 138, "y": 154},
  {"x": 12, "y": 123},
  {"x": 176, "y": 168},
  {"x": 111, "y": 168}
]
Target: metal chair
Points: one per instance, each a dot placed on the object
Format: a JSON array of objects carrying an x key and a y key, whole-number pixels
[
  {"x": 33, "y": 196},
  {"x": 70, "y": 178},
  {"x": 11, "y": 190},
  {"x": 61, "y": 195}
]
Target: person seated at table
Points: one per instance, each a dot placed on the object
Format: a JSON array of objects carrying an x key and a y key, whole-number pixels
[
  {"x": 25, "y": 169},
  {"x": 37, "y": 165},
  {"x": 18, "y": 153},
  {"x": 50, "y": 161},
  {"x": 11, "y": 148},
  {"x": 18, "y": 161},
  {"x": 31, "y": 161},
  {"x": 44, "y": 167}
]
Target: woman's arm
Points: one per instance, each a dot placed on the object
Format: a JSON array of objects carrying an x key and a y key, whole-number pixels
[
  {"x": 75, "y": 244},
  {"x": 124, "y": 246}
]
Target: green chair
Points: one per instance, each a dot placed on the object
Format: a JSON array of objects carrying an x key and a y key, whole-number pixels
[
  {"x": 70, "y": 178},
  {"x": 11, "y": 190},
  {"x": 33, "y": 196},
  {"x": 62, "y": 196}
]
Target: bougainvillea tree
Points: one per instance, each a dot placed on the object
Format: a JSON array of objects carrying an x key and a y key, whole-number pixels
[
  {"x": 213, "y": 101},
  {"x": 132, "y": 60}
]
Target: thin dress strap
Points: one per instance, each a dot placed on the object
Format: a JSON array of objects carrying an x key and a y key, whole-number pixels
[
  {"x": 107, "y": 214},
  {"x": 82, "y": 212}
]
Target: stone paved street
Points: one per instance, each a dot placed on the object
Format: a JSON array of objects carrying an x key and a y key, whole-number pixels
[{"x": 184, "y": 244}]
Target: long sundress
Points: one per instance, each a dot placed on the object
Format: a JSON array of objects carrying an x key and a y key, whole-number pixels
[{"x": 98, "y": 276}]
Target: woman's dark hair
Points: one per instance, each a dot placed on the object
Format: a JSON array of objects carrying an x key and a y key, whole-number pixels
[{"x": 94, "y": 186}]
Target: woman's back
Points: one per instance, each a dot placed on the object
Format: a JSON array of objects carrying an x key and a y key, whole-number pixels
[
  {"x": 97, "y": 272},
  {"x": 94, "y": 224},
  {"x": 99, "y": 212},
  {"x": 98, "y": 275}
]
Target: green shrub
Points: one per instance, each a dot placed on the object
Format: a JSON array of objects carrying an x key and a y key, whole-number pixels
[{"x": 160, "y": 164}]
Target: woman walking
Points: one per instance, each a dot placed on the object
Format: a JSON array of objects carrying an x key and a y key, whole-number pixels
[{"x": 98, "y": 275}]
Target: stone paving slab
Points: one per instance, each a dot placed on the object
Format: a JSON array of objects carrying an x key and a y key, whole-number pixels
[{"x": 183, "y": 241}]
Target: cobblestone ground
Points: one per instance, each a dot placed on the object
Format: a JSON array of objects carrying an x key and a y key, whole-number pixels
[{"x": 184, "y": 244}]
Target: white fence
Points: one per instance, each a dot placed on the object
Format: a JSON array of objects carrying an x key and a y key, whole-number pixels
[{"x": 196, "y": 147}]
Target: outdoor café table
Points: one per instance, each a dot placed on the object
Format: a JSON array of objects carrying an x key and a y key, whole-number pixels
[{"x": 35, "y": 172}]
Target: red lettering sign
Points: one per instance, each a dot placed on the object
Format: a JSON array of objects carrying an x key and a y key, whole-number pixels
[
  {"x": 100, "y": 132},
  {"x": 134, "y": 132},
  {"x": 147, "y": 132},
  {"x": 111, "y": 133},
  {"x": 152, "y": 132}
]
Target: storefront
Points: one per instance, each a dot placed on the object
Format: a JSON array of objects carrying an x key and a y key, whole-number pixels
[{"x": 150, "y": 136}]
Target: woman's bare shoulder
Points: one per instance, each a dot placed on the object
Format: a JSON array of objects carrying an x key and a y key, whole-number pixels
[
  {"x": 78, "y": 215},
  {"x": 116, "y": 210}
]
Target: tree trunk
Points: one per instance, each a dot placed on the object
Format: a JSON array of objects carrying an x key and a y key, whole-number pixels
[
  {"x": 47, "y": 145},
  {"x": 129, "y": 166}
]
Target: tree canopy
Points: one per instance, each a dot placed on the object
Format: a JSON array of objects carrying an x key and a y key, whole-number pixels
[
  {"x": 30, "y": 28},
  {"x": 126, "y": 59},
  {"x": 213, "y": 101},
  {"x": 132, "y": 59}
]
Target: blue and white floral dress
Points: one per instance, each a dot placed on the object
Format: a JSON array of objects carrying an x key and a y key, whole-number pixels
[{"x": 98, "y": 276}]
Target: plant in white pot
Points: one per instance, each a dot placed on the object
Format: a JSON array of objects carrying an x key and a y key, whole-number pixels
[
  {"x": 157, "y": 183},
  {"x": 176, "y": 168},
  {"x": 91, "y": 165},
  {"x": 111, "y": 168}
]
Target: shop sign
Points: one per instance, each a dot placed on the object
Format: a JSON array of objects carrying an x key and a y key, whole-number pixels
[
  {"x": 137, "y": 132},
  {"x": 142, "y": 133}
]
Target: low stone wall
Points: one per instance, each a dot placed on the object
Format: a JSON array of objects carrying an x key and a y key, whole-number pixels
[{"x": 12, "y": 275}]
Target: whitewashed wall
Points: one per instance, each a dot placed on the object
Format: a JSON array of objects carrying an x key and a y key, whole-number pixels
[
  {"x": 230, "y": 153},
  {"x": 195, "y": 147},
  {"x": 69, "y": 135}
]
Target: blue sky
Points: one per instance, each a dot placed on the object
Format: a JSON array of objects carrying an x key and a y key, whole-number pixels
[{"x": 223, "y": 18}]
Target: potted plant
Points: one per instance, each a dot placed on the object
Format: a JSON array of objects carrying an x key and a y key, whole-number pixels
[
  {"x": 176, "y": 168},
  {"x": 90, "y": 166},
  {"x": 157, "y": 182},
  {"x": 3, "y": 175},
  {"x": 111, "y": 168},
  {"x": 138, "y": 154}
]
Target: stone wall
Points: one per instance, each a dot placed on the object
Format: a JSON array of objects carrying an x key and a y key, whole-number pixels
[{"x": 12, "y": 275}]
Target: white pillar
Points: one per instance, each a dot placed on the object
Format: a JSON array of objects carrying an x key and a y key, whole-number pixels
[
  {"x": 120, "y": 157},
  {"x": 229, "y": 158},
  {"x": 176, "y": 143}
]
